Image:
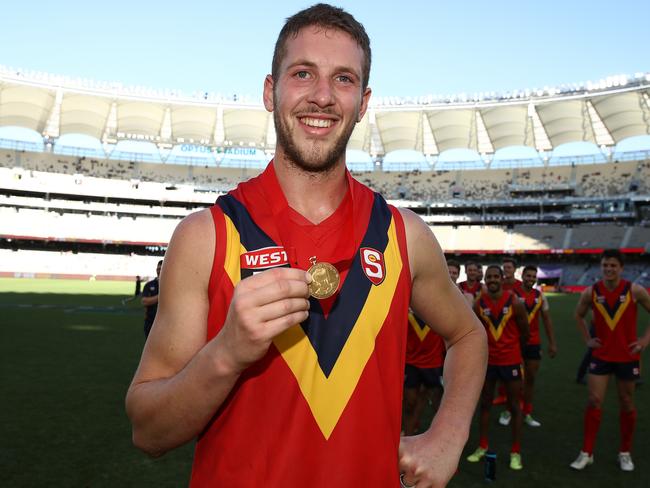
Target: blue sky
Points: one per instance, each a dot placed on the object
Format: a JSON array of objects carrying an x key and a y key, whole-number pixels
[{"x": 419, "y": 47}]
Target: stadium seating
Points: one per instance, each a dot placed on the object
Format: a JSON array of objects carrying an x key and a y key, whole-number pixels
[
  {"x": 53, "y": 197},
  {"x": 639, "y": 237},
  {"x": 25, "y": 263},
  {"x": 603, "y": 180},
  {"x": 541, "y": 236},
  {"x": 45, "y": 224},
  {"x": 597, "y": 235}
]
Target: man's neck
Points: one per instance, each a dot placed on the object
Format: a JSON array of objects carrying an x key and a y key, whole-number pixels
[
  {"x": 612, "y": 284},
  {"x": 315, "y": 196},
  {"x": 496, "y": 296}
]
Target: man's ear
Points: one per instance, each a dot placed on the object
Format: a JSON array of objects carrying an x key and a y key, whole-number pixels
[
  {"x": 365, "y": 98},
  {"x": 268, "y": 93}
]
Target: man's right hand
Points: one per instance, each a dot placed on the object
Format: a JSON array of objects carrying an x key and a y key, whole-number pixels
[
  {"x": 594, "y": 343},
  {"x": 263, "y": 306}
]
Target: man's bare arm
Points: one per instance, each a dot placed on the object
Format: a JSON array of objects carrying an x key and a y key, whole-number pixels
[
  {"x": 550, "y": 332},
  {"x": 167, "y": 401},
  {"x": 182, "y": 380},
  {"x": 521, "y": 319},
  {"x": 642, "y": 298},
  {"x": 432, "y": 458},
  {"x": 581, "y": 312},
  {"x": 147, "y": 301}
]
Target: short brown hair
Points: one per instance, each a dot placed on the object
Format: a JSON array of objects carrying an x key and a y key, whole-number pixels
[
  {"x": 529, "y": 267},
  {"x": 328, "y": 17},
  {"x": 495, "y": 266},
  {"x": 453, "y": 263},
  {"x": 613, "y": 254}
]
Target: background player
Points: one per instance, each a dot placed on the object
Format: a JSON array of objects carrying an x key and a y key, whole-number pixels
[
  {"x": 616, "y": 349},
  {"x": 479, "y": 273},
  {"x": 509, "y": 266},
  {"x": 509, "y": 280},
  {"x": 536, "y": 308},
  {"x": 425, "y": 352},
  {"x": 150, "y": 300},
  {"x": 471, "y": 285},
  {"x": 504, "y": 317},
  {"x": 454, "y": 272},
  {"x": 425, "y": 355}
]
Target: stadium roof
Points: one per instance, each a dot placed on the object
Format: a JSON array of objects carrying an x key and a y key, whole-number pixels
[{"x": 603, "y": 114}]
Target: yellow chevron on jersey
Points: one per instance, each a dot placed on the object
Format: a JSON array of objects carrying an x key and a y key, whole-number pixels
[
  {"x": 234, "y": 249},
  {"x": 535, "y": 309},
  {"x": 496, "y": 330},
  {"x": 420, "y": 330},
  {"x": 327, "y": 396},
  {"x": 611, "y": 319}
]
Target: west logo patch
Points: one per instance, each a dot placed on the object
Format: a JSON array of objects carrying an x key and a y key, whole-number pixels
[{"x": 268, "y": 257}]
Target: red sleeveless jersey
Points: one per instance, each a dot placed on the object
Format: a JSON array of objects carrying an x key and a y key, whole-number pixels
[
  {"x": 323, "y": 407},
  {"x": 516, "y": 286},
  {"x": 474, "y": 290},
  {"x": 503, "y": 334},
  {"x": 424, "y": 348},
  {"x": 533, "y": 301},
  {"x": 614, "y": 314}
]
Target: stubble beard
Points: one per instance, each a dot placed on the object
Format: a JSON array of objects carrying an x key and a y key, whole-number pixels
[{"x": 315, "y": 158}]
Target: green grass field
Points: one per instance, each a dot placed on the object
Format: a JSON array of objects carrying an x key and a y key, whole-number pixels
[{"x": 69, "y": 355}]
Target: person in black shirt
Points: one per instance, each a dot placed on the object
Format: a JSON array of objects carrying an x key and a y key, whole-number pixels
[
  {"x": 150, "y": 300},
  {"x": 138, "y": 286}
]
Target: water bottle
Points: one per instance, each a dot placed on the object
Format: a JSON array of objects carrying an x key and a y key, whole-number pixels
[{"x": 490, "y": 466}]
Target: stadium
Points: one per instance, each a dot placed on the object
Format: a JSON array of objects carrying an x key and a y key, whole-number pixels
[
  {"x": 95, "y": 176},
  {"x": 106, "y": 172}
]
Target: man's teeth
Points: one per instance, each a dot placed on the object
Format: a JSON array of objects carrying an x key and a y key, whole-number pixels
[{"x": 316, "y": 122}]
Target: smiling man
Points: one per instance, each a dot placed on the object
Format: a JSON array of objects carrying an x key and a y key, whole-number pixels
[
  {"x": 504, "y": 316},
  {"x": 616, "y": 349},
  {"x": 280, "y": 342}
]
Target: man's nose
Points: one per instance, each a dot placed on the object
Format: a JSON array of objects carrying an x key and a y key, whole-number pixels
[{"x": 322, "y": 93}]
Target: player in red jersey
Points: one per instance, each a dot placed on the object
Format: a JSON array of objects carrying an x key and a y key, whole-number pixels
[
  {"x": 425, "y": 355},
  {"x": 509, "y": 280},
  {"x": 504, "y": 317},
  {"x": 616, "y": 349},
  {"x": 536, "y": 309},
  {"x": 479, "y": 273},
  {"x": 471, "y": 286},
  {"x": 282, "y": 383},
  {"x": 454, "y": 272},
  {"x": 509, "y": 266}
]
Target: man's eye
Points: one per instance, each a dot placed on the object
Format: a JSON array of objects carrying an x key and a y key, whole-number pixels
[
  {"x": 344, "y": 79},
  {"x": 303, "y": 75}
]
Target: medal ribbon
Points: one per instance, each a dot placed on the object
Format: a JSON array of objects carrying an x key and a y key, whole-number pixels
[{"x": 283, "y": 234}]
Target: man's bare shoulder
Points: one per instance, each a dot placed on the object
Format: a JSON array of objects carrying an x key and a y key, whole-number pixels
[
  {"x": 196, "y": 223},
  {"x": 413, "y": 224},
  {"x": 639, "y": 292},
  {"x": 585, "y": 297},
  {"x": 193, "y": 241}
]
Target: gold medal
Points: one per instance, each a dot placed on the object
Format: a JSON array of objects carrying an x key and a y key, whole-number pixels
[{"x": 325, "y": 279}]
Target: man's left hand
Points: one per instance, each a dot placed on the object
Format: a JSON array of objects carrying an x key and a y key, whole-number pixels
[{"x": 426, "y": 462}]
